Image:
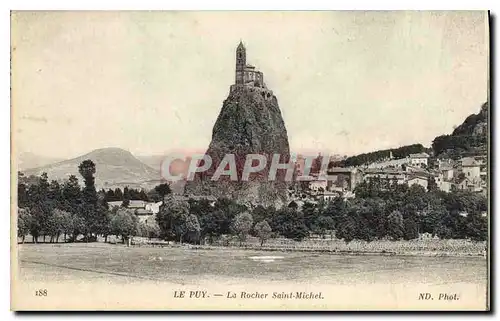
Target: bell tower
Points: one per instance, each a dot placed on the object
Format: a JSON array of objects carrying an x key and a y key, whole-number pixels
[{"x": 241, "y": 60}]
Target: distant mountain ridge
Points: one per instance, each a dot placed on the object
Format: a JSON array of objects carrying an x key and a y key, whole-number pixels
[
  {"x": 28, "y": 160},
  {"x": 115, "y": 167}
]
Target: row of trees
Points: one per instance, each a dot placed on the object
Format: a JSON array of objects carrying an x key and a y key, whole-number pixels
[
  {"x": 397, "y": 212},
  {"x": 193, "y": 221},
  {"x": 51, "y": 209},
  {"x": 380, "y": 155},
  {"x": 379, "y": 211},
  {"x": 45, "y": 202},
  {"x": 128, "y": 194},
  {"x": 455, "y": 147},
  {"x": 120, "y": 222}
]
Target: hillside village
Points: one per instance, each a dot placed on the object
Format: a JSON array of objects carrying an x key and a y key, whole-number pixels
[
  {"x": 457, "y": 162},
  {"x": 466, "y": 174}
]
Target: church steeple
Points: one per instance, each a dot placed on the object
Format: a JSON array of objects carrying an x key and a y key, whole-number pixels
[{"x": 241, "y": 60}]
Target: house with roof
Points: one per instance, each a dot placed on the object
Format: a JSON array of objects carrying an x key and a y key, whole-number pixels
[
  {"x": 114, "y": 204},
  {"x": 418, "y": 179},
  {"x": 144, "y": 215},
  {"x": 328, "y": 196},
  {"x": 443, "y": 181},
  {"x": 467, "y": 184},
  {"x": 385, "y": 176},
  {"x": 182, "y": 197},
  {"x": 142, "y": 209},
  {"x": 318, "y": 185},
  {"x": 419, "y": 159},
  {"x": 471, "y": 168},
  {"x": 345, "y": 178}
]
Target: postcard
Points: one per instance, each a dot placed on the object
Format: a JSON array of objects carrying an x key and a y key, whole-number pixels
[{"x": 250, "y": 160}]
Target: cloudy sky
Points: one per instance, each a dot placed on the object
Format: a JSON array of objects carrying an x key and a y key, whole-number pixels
[{"x": 153, "y": 82}]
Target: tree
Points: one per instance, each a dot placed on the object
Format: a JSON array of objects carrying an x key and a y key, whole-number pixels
[
  {"x": 324, "y": 224},
  {"x": 162, "y": 190},
  {"x": 395, "y": 226},
  {"x": 150, "y": 229},
  {"x": 24, "y": 222},
  {"x": 106, "y": 224},
  {"x": 263, "y": 231},
  {"x": 22, "y": 191},
  {"x": 153, "y": 196},
  {"x": 348, "y": 229},
  {"x": 59, "y": 223},
  {"x": 260, "y": 213},
  {"x": 118, "y": 194},
  {"x": 241, "y": 225},
  {"x": 172, "y": 219},
  {"x": 193, "y": 229},
  {"x": 310, "y": 214},
  {"x": 477, "y": 227},
  {"x": 67, "y": 224},
  {"x": 293, "y": 205},
  {"x": 126, "y": 197},
  {"x": 432, "y": 186},
  {"x": 91, "y": 212},
  {"x": 40, "y": 206},
  {"x": 71, "y": 195},
  {"x": 79, "y": 227},
  {"x": 143, "y": 196},
  {"x": 289, "y": 223},
  {"x": 410, "y": 228},
  {"x": 125, "y": 224}
]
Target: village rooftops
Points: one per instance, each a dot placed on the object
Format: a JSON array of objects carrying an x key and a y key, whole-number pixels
[
  {"x": 115, "y": 203},
  {"x": 419, "y": 155},
  {"x": 384, "y": 171},
  {"x": 469, "y": 162},
  {"x": 141, "y": 211},
  {"x": 136, "y": 204},
  {"x": 209, "y": 198},
  {"x": 445, "y": 167},
  {"x": 418, "y": 175},
  {"x": 341, "y": 170}
]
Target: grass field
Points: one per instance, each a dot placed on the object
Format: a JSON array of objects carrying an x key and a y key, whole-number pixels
[{"x": 121, "y": 264}]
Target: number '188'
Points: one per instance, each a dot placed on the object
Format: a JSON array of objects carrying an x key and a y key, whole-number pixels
[{"x": 41, "y": 292}]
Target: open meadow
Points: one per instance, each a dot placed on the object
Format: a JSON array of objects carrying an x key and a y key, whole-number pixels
[{"x": 186, "y": 265}]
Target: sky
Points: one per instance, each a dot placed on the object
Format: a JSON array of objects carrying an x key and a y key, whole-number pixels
[{"x": 154, "y": 82}]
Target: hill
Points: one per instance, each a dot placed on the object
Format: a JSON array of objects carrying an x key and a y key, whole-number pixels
[
  {"x": 249, "y": 122},
  {"x": 115, "y": 167},
  {"x": 468, "y": 139}
]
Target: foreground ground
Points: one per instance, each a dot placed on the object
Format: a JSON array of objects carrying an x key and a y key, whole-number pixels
[{"x": 183, "y": 265}]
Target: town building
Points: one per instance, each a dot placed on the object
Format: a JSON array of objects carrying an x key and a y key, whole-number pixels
[
  {"x": 319, "y": 185},
  {"x": 142, "y": 209},
  {"x": 385, "y": 176},
  {"x": 471, "y": 168},
  {"x": 419, "y": 159},
  {"x": 178, "y": 197},
  {"x": 344, "y": 178},
  {"x": 328, "y": 196},
  {"x": 467, "y": 184},
  {"x": 443, "y": 181},
  {"x": 418, "y": 179}
]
